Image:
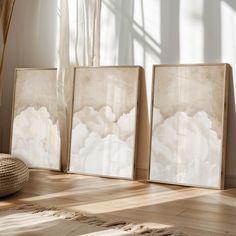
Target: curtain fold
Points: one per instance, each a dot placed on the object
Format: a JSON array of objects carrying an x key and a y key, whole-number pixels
[
  {"x": 6, "y": 9},
  {"x": 79, "y": 45}
]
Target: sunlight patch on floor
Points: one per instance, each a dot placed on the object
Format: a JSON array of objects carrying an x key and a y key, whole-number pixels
[{"x": 141, "y": 200}]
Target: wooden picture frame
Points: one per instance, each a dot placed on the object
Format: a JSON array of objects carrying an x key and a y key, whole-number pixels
[
  {"x": 189, "y": 124},
  {"x": 35, "y": 132},
  {"x": 104, "y": 121}
]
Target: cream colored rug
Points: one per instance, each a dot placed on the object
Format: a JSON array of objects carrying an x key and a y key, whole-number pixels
[{"x": 34, "y": 220}]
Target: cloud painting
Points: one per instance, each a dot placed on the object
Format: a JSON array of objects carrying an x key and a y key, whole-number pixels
[
  {"x": 187, "y": 125},
  {"x": 35, "y": 128},
  {"x": 104, "y": 121}
]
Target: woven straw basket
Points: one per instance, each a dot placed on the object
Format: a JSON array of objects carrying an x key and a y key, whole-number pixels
[{"x": 13, "y": 174}]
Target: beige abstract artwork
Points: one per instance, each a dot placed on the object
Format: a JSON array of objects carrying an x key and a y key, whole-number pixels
[
  {"x": 189, "y": 124},
  {"x": 35, "y": 128},
  {"x": 104, "y": 121}
]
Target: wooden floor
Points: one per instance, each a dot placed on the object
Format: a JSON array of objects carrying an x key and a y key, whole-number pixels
[{"x": 192, "y": 210}]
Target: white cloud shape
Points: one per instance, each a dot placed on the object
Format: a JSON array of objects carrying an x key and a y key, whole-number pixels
[
  {"x": 36, "y": 139},
  {"x": 185, "y": 149},
  {"x": 101, "y": 145},
  {"x": 107, "y": 156},
  {"x": 100, "y": 121}
]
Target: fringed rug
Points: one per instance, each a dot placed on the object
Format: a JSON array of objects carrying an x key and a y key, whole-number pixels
[{"x": 35, "y": 220}]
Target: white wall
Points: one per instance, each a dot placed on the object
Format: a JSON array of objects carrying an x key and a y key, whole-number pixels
[
  {"x": 133, "y": 32},
  {"x": 173, "y": 31}
]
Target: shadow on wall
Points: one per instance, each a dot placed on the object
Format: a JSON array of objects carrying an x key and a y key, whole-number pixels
[
  {"x": 231, "y": 136},
  {"x": 125, "y": 56},
  {"x": 30, "y": 43},
  {"x": 170, "y": 36},
  {"x": 211, "y": 19}
]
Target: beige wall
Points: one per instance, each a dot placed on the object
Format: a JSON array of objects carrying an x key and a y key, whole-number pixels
[{"x": 133, "y": 32}]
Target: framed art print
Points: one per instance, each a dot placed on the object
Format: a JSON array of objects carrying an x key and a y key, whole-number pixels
[
  {"x": 35, "y": 134},
  {"x": 104, "y": 120},
  {"x": 189, "y": 118}
]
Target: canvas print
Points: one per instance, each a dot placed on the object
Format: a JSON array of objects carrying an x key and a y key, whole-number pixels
[
  {"x": 35, "y": 128},
  {"x": 188, "y": 120},
  {"x": 104, "y": 121}
]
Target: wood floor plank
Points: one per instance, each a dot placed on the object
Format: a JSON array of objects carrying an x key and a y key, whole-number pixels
[{"x": 196, "y": 211}]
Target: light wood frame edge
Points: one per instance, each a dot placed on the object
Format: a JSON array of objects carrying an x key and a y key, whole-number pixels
[
  {"x": 136, "y": 121},
  {"x": 13, "y": 112},
  {"x": 227, "y": 71}
]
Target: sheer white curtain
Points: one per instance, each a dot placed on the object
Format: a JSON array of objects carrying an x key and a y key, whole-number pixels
[{"x": 79, "y": 44}]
